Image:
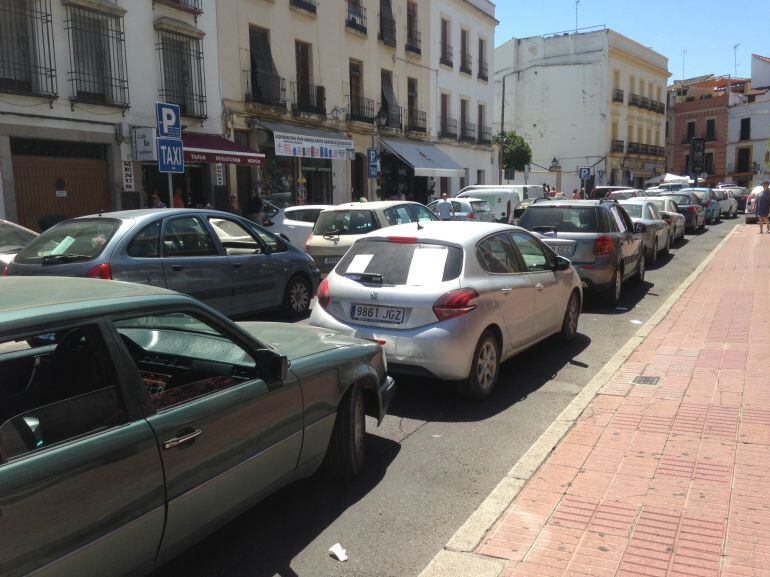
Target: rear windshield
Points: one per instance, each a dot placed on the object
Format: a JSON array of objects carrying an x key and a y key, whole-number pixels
[
  {"x": 480, "y": 206},
  {"x": 680, "y": 198},
  {"x": 633, "y": 210},
  {"x": 341, "y": 222},
  {"x": 390, "y": 263},
  {"x": 564, "y": 218},
  {"x": 72, "y": 240},
  {"x": 659, "y": 202},
  {"x": 702, "y": 194},
  {"x": 621, "y": 195},
  {"x": 13, "y": 238}
]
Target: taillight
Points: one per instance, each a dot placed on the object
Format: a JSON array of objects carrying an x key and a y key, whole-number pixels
[
  {"x": 603, "y": 245},
  {"x": 402, "y": 239},
  {"x": 455, "y": 303},
  {"x": 323, "y": 295},
  {"x": 307, "y": 242},
  {"x": 692, "y": 209},
  {"x": 5, "y": 270},
  {"x": 472, "y": 215},
  {"x": 102, "y": 271}
]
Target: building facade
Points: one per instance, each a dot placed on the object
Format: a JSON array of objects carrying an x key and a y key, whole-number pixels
[
  {"x": 79, "y": 80},
  {"x": 589, "y": 99}
]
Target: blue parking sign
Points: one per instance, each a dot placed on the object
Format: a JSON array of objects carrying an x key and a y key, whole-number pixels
[
  {"x": 170, "y": 155},
  {"x": 374, "y": 160},
  {"x": 169, "y": 120}
]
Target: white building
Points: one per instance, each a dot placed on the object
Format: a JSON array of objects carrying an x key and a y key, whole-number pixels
[
  {"x": 748, "y": 128},
  {"x": 77, "y": 77},
  {"x": 593, "y": 99},
  {"x": 464, "y": 31}
]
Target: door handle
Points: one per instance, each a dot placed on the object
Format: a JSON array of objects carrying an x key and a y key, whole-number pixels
[
  {"x": 177, "y": 266},
  {"x": 538, "y": 286},
  {"x": 506, "y": 291},
  {"x": 182, "y": 439},
  {"x": 237, "y": 264}
]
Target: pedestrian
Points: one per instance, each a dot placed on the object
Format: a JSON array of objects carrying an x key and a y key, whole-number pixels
[
  {"x": 575, "y": 194},
  {"x": 255, "y": 207},
  {"x": 444, "y": 208},
  {"x": 178, "y": 200},
  {"x": 233, "y": 206},
  {"x": 763, "y": 206},
  {"x": 156, "y": 201}
]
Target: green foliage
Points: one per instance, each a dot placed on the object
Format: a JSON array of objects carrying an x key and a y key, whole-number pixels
[{"x": 515, "y": 153}]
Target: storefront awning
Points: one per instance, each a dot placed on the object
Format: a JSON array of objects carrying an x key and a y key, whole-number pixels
[
  {"x": 427, "y": 159},
  {"x": 298, "y": 141},
  {"x": 212, "y": 149}
]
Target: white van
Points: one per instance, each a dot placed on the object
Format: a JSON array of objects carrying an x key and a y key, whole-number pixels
[{"x": 499, "y": 196}]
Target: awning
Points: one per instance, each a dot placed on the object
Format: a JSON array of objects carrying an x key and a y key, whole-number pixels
[
  {"x": 302, "y": 142},
  {"x": 426, "y": 159},
  {"x": 212, "y": 149}
]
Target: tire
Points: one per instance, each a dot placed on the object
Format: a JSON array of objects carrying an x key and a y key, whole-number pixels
[
  {"x": 346, "y": 455},
  {"x": 485, "y": 369},
  {"x": 654, "y": 255},
  {"x": 612, "y": 295},
  {"x": 571, "y": 316},
  {"x": 640, "y": 271},
  {"x": 667, "y": 250},
  {"x": 296, "y": 297}
]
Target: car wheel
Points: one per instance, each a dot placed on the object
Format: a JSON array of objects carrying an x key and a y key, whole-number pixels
[
  {"x": 653, "y": 259},
  {"x": 484, "y": 369},
  {"x": 346, "y": 455},
  {"x": 640, "y": 271},
  {"x": 612, "y": 296},
  {"x": 296, "y": 299},
  {"x": 667, "y": 250},
  {"x": 571, "y": 316}
]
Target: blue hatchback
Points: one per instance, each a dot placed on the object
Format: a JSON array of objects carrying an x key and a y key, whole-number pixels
[
  {"x": 219, "y": 258},
  {"x": 709, "y": 201}
]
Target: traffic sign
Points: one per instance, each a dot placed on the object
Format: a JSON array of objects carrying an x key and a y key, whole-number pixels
[
  {"x": 169, "y": 140},
  {"x": 584, "y": 172},
  {"x": 373, "y": 158},
  {"x": 169, "y": 120},
  {"x": 170, "y": 155}
]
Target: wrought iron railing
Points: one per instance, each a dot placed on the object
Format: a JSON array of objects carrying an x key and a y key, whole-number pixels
[
  {"x": 468, "y": 132},
  {"x": 361, "y": 109},
  {"x": 308, "y": 5},
  {"x": 391, "y": 116},
  {"x": 711, "y": 137},
  {"x": 617, "y": 146},
  {"x": 466, "y": 63},
  {"x": 356, "y": 17},
  {"x": 387, "y": 29},
  {"x": 413, "y": 36},
  {"x": 633, "y": 147},
  {"x": 181, "y": 72},
  {"x": 483, "y": 70},
  {"x": 27, "y": 63},
  {"x": 265, "y": 88},
  {"x": 446, "y": 53},
  {"x": 309, "y": 98},
  {"x": 634, "y": 100},
  {"x": 618, "y": 95},
  {"x": 448, "y": 127},
  {"x": 485, "y": 135},
  {"x": 644, "y": 149},
  {"x": 416, "y": 120}
]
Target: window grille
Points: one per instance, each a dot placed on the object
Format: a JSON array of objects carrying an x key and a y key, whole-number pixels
[{"x": 181, "y": 73}]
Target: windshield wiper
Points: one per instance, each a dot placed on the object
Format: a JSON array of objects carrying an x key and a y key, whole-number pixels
[
  {"x": 370, "y": 277},
  {"x": 332, "y": 233},
  {"x": 63, "y": 258}
]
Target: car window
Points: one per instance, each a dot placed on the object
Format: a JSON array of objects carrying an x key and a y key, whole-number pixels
[
  {"x": 480, "y": 206},
  {"x": 397, "y": 215},
  {"x": 531, "y": 251},
  {"x": 269, "y": 210},
  {"x": 234, "y": 236},
  {"x": 13, "y": 237},
  {"x": 56, "y": 386},
  {"x": 620, "y": 218},
  {"x": 344, "y": 222},
  {"x": 181, "y": 357},
  {"x": 146, "y": 243},
  {"x": 80, "y": 239},
  {"x": 496, "y": 255},
  {"x": 654, "y": 211},
  {"x": 456, "y": 206},
  {"x": 633, "y": 210},
  {"x": 564, "y": 218},
  {"x": 422, "y": 214},
  {"x": 274, "y": 243},
  {"x": 304, "y": 214},
  {"x": 187, "y": 237}
]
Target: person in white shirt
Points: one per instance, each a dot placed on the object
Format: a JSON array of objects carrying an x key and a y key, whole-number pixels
[{"x": 444, "y": 208}]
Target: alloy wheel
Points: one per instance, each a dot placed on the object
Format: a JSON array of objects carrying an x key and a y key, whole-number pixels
[
  {"x": 618, "y": 284},
  {"x": 572, "y": 318},
  {"x": 486, "y": 365},
  {"x": 299, "y": 296}
]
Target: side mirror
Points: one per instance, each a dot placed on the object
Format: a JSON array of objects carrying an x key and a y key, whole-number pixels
[
  {"x": 561, "y": 263},
  {"x": 274, "y": 367},
  {"x": 640, "y": 228},
  {"x": 284, "y": 237}
]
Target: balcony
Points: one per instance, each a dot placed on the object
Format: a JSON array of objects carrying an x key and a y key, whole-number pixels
[
  {"x": 660, "y": 107},
  {"x": 618, "y": 95},
  {"x": 485, "y": 135},
  {"x": 468, "y": 132},
  {"x": 448, "y": 128},
  {"x": 413, "y": 37},
  {"x": 660, "y": 151},
  {"x": 466, "y": 63},
  {"x": 633, "y": 148},
  {"x": 309, "y": 98},
  {"x": 745, "y": 135},
  {"x": 265, "y": 88},
  {"x": 416, "y": 121},
  {"x": 634, "y": 100},
  {"x": 361, "y": 109},
  {"x": 193, "y": 6},
  {"x": 446, "y": 54},
  {"x": 617, "y": 146},
  {"x": 390, "y": 117},
  {"x": 743, "y": 167},
  {"x": 306, "y": 5},
  {"x": 644, "y": 103},
  {"x": 711, "y": 137},
  {"x": 387, "y": 30},
  {"x": 356, "y": 17},
  {"x": 483, "y": 70},
  {"x": 644, "y": 149}
]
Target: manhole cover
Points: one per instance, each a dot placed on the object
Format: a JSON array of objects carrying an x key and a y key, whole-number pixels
[{"x": 646, "y": 380}]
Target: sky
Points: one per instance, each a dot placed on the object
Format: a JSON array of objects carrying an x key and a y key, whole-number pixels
[{"x": 707, "y": 29}]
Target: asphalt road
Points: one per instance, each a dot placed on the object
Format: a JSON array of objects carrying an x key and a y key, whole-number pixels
[{"x": 435, "y": 457}]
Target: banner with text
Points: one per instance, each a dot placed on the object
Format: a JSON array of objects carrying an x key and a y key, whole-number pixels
[{"x": 307, "y": 146}]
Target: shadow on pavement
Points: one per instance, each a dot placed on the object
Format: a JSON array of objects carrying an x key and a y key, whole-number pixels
[
  {"x": 630, "y": 296},
  {"x": 263, "y": 541}
]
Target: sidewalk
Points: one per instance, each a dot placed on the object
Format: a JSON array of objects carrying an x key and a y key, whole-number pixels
[{"x": 669, "y": 477}]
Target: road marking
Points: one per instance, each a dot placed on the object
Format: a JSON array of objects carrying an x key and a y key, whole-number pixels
[{"x": 459, "y": 550}]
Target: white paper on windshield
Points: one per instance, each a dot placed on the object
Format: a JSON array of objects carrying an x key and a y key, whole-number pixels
[
  {"x": 63, "y": 245},
  {"x": 427, "y": 266},
  {"x": 359, "y": 263},
  {"x": 621, "y": 224}
]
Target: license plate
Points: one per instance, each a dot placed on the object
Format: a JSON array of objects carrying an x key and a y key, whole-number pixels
[
  {"x": 391, "y": 315},
  {"x": 563, "y": 250},
  {"x": 332, "y": 259}
]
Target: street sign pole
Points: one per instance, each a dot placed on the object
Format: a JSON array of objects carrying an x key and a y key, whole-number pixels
[{"x": 169, "y": 143}]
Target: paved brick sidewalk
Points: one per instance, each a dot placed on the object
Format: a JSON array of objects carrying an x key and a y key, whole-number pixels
[{"x": 666, "y": 479}]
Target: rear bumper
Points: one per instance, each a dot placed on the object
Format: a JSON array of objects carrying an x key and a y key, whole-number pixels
[{"x": 595, "y": 277}]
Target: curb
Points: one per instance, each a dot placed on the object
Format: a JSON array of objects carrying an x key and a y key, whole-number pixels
[{"x": 457, "y": 557}]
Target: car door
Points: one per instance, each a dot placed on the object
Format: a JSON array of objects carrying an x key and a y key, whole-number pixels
[
  {"x": 631, "y": 243},
  {"x": 81, "y": 482},
  {"x": 279, "y": 265},
  {"x": 226, "y": 434},
  {"x": 194, "y": 265},
  {"x": 550, "y": 296},
  {"x": 509, "y": 292},
  {"x": 137, "y": 257},
  {"x": 661, "y": 228}
]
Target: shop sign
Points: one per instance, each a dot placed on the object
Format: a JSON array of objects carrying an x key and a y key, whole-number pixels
[
  {"x": 199, "y": 156},
  {"x": 128, "y": 176},
  {"x": 143, "y": 144},
  {"x": 220, "y": 171},
  {"x": 306, "y": 146}
]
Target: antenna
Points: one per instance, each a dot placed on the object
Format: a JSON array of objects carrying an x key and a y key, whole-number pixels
[
  {"x": 577, "y": 3},
  {"x": 684, "y": 53},
  {"x": 735, "y": 58}
]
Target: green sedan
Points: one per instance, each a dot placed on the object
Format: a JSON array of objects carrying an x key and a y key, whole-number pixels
[{"x": 136, "y": 420}]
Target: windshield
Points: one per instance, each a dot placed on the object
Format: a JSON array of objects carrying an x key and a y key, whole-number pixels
[
  {"x": 342, "y": 222},
  {"x": 13, "y": 238},
  {"x": 702, "y": 194},
  {"x": 563, "y": 218},
  {"x": 660, "y": 203},
  {"x": 680, "y": 199},
  {"x": 633, "y": 210},
  {"x": 480, "y": 206},
  {"x": 80, "y": 239},
  {"x": 390, "y": 263}
]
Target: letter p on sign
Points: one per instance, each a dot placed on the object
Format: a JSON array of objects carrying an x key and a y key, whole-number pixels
[{"x": 168, "y": 118}]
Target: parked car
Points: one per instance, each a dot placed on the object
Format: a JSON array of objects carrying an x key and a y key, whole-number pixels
[
  {"x": 709, "y": 202},
  {"x": 608, "y": 250},
  {"x": 689, "y": 205},
  {"x": 467, "y": 208},
  {"x": 451, "y": 300},
  {"x": 600, "y": 192},
  {"x": 294, "y": 222},
  {"x": 503, "y": 199},
  {"x": 624, "y": 194},
  {"x": 728, "y": 206},
  {"x": 739, "y": 193},
  {"x": 226, "y": 261},
  {"x": 338, "y": 228},
  {"x": 673, "y": 186},
  {"x": 12, "y": 239},
  {"x": 751, "y": 205},
  {"x": 280, "y": 199},
  {"x": 669, "y": 212},
  {"x": 135, "y": 415},
  {"x": 654, "y": 229}
]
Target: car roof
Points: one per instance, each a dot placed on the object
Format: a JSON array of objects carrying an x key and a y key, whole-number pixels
[
  {"x": 15, "y": 225},
  {"x": 455, "y": 232},
  {"x": 375, "y": 205},
  {"x": 564, "y": 202},
  {"x": 141, "y": 214},
  {"x": 312, "y": 206},
  {"x": 634, "y": 200}
]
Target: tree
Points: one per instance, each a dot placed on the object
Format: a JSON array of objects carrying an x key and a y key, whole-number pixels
[{"x": 514, "y": 152}]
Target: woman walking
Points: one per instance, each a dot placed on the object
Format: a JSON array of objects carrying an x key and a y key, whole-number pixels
[{"x": 763, "y": 206}]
